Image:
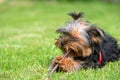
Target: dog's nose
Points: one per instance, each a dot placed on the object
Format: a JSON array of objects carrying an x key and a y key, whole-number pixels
[{"x": 62, "y": 43}]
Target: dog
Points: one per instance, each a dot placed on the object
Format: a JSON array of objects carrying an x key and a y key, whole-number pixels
[{"x": 89, "y": 46}]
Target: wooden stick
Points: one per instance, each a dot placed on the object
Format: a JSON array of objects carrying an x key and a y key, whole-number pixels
[{"x": 56, "y": 66}]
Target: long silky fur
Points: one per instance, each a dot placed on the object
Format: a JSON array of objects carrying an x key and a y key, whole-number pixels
[
  {"x": 104, "y": 43},
  {"x": 110, "y": 52}
]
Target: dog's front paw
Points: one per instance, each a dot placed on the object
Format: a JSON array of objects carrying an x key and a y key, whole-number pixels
[
  {"x": 67, "y": 64},
  {"x": 56, "y": 61}
]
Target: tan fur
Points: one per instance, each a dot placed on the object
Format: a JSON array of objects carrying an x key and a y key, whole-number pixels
[
  {"x": 74, "y": 38},
  {"x": 80, "y": 47},
  {"x": 96, "y": 39},
  {"x": 66, "y": 64}
]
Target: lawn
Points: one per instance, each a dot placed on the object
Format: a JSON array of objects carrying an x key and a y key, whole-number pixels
[{"x": 27, "y": 36}]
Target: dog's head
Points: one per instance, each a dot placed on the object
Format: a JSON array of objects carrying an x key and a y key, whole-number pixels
[{"x": 78, "y": 36}]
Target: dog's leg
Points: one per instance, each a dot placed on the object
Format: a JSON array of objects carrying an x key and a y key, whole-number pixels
[{"x": 66, "y": 64}]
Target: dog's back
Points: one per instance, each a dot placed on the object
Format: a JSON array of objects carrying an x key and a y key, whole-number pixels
[{"x": 110, "y": 49}]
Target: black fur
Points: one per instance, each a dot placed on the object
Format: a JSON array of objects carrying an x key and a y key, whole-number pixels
[
  {"x": 76, "y": 16},
  {"x": 110, "y": 52},
  {"x": 98, "y": 41}
]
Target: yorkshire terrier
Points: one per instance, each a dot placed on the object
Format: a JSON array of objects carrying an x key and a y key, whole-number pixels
[{"x": 89, "y": 46}]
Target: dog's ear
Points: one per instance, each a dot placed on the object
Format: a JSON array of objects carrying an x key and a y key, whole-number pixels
[
  {"x": 62, "y": 31},
  {"x": 76, "y": 16},
  {"x": 95, "y": 34}
]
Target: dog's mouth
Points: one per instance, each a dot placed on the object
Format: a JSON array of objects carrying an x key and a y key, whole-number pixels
[{"x": 72, "y": 53}]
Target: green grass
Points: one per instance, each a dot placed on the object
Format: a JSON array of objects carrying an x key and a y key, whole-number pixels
[{"x": 27, "y": 36}]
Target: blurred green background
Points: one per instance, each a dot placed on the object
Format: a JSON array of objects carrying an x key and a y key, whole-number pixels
[{"x": 27, "y": 36}]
